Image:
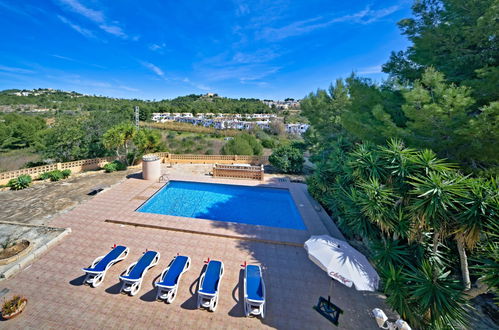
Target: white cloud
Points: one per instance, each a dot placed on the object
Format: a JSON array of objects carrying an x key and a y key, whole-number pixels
[
  {"x": 130, "y": 89},
  {"x": 84, "y": 32},
  {"x": 77, "y": 7},
  {"x": 114, "y": 30},
  {"x": 14, "y": 69},
  {"x": 95, "y": 16},
  {"x": 157, "y": 47},
  {"x": 365, "y": 16},
  {"x": 370, "y": 69},
  {"x": 154, "y": 69}
]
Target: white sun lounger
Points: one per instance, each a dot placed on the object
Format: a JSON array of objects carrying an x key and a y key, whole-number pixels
[
  {"x": 97, "y": 271},
  {"x": 168, "y": 282},
  {"x": 209, "y": 284},
  {"x": 133, "y": 276},
  {"x": 254, "y": 291}
]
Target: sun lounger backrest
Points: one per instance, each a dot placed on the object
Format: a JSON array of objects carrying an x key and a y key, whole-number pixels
[
  {"x": 142, "y": 264},
  {"x": 212, "y": 276},
  {"x": 254, "y": 285},
  {"x": 175, "y": 270},
  {"x": 112, "y": 255}
]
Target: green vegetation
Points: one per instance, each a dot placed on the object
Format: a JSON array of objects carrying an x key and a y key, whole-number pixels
[
  {"x": 457, "y": 38},
  {"x": 130, "y": 143},
  {"x": 72, "y": 101},
  {"x": 417, "y": 213},
  {"x": 287, "y": 159},
  {"x": 430, "y": 113},
  {"x": 243, "y": 144},
  {"x": 19, "y": 183},
  {"x": 409, "y": 168},
  {"x": 114, "y": 166},
  {"x": 55, "y": 175},
  {"x": 20, "y": 131}
]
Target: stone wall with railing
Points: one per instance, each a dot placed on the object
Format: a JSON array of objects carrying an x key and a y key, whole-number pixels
[
  {"x": 96, "y": 163},
  {"x": 238, "y": 172}
]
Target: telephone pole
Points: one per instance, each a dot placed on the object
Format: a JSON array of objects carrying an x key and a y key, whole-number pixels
[{"x": 137, "y": 116}]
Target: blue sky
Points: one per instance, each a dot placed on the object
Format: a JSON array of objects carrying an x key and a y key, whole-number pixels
[{"x": 156, "y": 49}]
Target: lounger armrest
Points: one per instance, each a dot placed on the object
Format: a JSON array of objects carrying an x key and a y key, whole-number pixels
[
  {"x": 129, "y": 269},
  {"x": 88, "y": 271},
  {"x": 96, "y": 261},
  {"x": 201, "y": 279}
]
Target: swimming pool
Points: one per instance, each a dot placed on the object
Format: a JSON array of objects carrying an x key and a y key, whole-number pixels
[{"x": 222, "y": 202}]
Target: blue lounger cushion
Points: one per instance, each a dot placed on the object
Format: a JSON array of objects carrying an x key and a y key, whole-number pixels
[
  {"x": 254, "y": 283},
  {"x": 211, "y": 278},
  {"x": 144, "y": 262},
  {"x": 111, "y": 256},
  {"x": 176, "y": 268}
]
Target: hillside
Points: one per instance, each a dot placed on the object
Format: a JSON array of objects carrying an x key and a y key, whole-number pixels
[{"x": 42, "y": 100}]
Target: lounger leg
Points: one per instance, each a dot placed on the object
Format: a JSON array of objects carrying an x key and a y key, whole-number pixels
[
  {"x": 135, "y": 288},
  {"x": 171, "y": 295},
  {"x": 97, "y": 280},
  {"x": 214, "y": 303}
]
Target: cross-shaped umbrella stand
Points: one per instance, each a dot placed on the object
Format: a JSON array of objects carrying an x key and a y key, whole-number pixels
[{"x": 342, "y": 263}]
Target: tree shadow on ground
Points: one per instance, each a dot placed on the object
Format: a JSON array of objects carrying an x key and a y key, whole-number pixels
[{"x": 293, "y": 282}]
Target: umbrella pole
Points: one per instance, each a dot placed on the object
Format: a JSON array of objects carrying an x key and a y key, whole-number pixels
[{"x": 329, "y": 291}]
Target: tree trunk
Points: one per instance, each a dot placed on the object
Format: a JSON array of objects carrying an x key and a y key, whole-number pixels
[
  {"x": 463, "y": 258},
  {"x": 478, "y": 288},
  {"x": 436, "y": 240}
]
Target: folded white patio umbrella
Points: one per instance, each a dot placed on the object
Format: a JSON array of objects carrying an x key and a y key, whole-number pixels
[{"x": 342, "y": 262}]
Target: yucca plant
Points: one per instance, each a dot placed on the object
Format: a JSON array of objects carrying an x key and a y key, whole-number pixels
[
  {"x": 377, "y": 202},
  {"x": 388, "y": 252},
  {"x": 366, "y": 163},
  {"x": 395, "y": 283},
  {"x": 479, "y": 208},
  {"x": 436, "y": 200},
  {"x": 19, "y": 183},
  {"x": 437, "y": 296}
]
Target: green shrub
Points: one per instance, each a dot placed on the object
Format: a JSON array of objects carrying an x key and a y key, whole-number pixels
[
  {"x": 120, "y": 166},
  {"x": 44, "y": 176},
  {"x": 114, "y": 166},
  {"x": 242, "y": 144},
  {"x": 21, "y": 182},
  {"x": 55, "y": 175},
  {"x": 109, "y": 167},
  {"x": 66, "y": 173},
  {"x": 287, "y": 159},
  {"x": 269, "y": 143}
]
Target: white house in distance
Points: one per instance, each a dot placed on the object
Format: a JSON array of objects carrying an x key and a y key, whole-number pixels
[{"x": 228, "y": 121}]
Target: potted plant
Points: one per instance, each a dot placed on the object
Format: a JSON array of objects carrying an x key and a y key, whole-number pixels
[{"x": 13, "y": 307}]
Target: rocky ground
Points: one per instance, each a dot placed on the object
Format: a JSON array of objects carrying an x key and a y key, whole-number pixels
[{"x": 39, "y": 203}]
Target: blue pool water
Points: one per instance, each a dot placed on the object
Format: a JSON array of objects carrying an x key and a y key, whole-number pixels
[{"x": 221, "y": 202}]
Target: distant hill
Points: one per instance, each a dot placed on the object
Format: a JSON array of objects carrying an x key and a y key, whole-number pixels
[{"x": 46, "y": 100}]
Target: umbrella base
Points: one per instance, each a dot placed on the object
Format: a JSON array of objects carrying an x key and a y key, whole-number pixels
[{"x": 329, "y": 310}]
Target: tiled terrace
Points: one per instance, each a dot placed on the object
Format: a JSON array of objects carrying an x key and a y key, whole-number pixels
[{"x": 57, "y": 298}]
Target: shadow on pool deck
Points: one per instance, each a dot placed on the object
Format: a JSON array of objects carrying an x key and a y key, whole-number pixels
[{"x": 290, "y": 293}]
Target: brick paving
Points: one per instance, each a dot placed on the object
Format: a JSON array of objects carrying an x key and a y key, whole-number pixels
[{"x": 57, "y": 298}]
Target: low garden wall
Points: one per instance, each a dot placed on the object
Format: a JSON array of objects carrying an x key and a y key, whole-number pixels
[{"x": 96, "y": 163}]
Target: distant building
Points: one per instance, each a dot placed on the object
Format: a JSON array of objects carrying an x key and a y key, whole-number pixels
[{"x": 227, "y": 121}]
